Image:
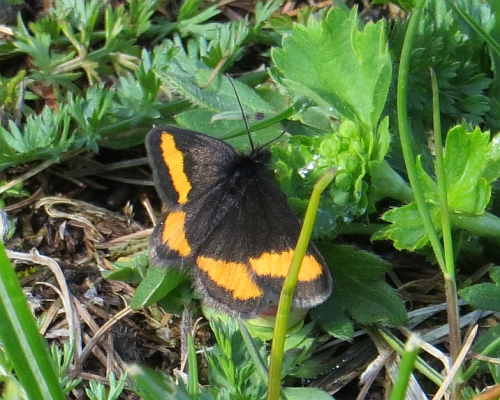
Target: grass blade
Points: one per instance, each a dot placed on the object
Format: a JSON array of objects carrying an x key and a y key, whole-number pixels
[{"x": 24, "y": 345}]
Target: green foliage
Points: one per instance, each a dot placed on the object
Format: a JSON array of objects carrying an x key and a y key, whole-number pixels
[
  {"x": 8, "y": 89},
  {"x": 458, "y": 57},
  {"x": 314, "y": 62},
  {"x": 15, "y": 192},
  {"x": 131, "y": 270},
  {"x": 26, "y": 351},
  {"x": 65, "y": 45},
  {"x": 347, "y": 72},
  {"x": 359, "y": 294},
  {"x": 104, "y": 87},
  {"x": 471, "y": 164},
  {"x": 62, "y": 359},
  {"x": 484, "y": 296},
  {"x": 97, "y": 391},
  {"x": 488, "y": 344},
  {"x": 155, "y": 385},
  {"x": 12, "y": 388},
  {"x": 303, "y": 160},
  {"x": 232, "y": 373},
  {"x": 235, "y": 374},
  {"x": 158, "y": 283}
]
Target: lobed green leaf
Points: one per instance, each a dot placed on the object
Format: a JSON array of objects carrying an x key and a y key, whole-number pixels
[{"x": 338, "y": 65}]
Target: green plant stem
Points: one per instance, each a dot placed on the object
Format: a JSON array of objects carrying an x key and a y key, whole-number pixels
[
  {"x": 404, "y": 132},
  {"x": 449, "y": 272},
  {"x": 288, "y": 289},
  {"x": 387, "y": 183},
  {"x": 486, "y": 225},
  {"x": 406, "y": 366}
]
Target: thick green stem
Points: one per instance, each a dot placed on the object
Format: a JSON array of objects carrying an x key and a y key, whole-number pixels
[
  {"x": 486, "y": 225},
  {"x": 387, "y": 183},
  {"x": 288, "y": 289},
  {"x": 449, "y": 273},
  {"x": 453, "y": 317},
  {"x": 404, "y": 133}
]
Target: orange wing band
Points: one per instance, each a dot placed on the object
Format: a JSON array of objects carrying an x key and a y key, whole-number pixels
[
  {"x": 231, "y": 276},
  {"x": 175, "y": 162},
  {"x": 174, "y": 235},
  {"x": 276, "y": 265}
]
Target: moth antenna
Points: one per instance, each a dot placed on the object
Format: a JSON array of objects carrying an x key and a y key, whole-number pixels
[
  {"x": 242, "y": 113},
  {"x": 273, "y": 140}
]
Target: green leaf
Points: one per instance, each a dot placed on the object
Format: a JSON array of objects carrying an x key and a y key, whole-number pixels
[
  {"x": 484, "y": 296},
  {"x": 407, "y": 230},
  {"x": 20, "y": 338},
  {"x": 190, "y": 13},
  {"x": 465, "y": 160},
  {"x": 157, "y": 284},
  {"x": 359, "y": 292},
  {"x": 336, "y": 322},
  {"x": 406, "y": 5},
  {"x": 306, "y": 393},
  {"x": 338, "y": 65},
  {"x": 226, "y": 44},
  {"x": 43, "y": 136},
  {"x": 202, "y": 121},
  {"x": 384, "y": 141},
  {"x": 218, "y": 96},
  {"x": 154, "y": 385},
  {"x": 471, "y": 162},
  {"x": 129, "y": 270},
  {"x": 232, "y": 373},
  {"x": 495, "y": 275},
  {"x": 489, "y": 340}
]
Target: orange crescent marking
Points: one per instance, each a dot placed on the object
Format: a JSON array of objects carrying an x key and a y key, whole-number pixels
[
  {"x": 175, "y": 162},
  {"x": 231, "y": 276},
  {"x": 174, "y": 235},
  {"x": 276, "y": 265}
]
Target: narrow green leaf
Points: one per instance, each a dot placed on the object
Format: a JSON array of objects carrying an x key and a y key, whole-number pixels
[
  {"x": 20, "y": 337},
  {"x": 479, "y": 18},
  {"x": 408, "y": 360}
]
